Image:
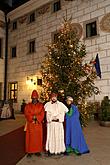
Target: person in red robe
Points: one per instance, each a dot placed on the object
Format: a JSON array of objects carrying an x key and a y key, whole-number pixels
[{"x": 34, "y": 114}]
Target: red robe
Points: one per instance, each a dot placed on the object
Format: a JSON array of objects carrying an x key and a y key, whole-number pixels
[{"x": 34, "y": 132}]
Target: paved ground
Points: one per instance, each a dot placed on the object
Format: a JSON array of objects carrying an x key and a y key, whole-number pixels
[
  {"x": 98, "y": 139},
  {"x": 9, "y": 125}
]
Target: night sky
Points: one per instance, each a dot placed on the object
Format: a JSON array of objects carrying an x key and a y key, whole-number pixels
[
  {"x": 18, "y": 2},
  {"x": 8, "y": 5}
]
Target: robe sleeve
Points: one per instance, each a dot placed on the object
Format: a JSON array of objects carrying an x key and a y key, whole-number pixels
[
  {"x": 40, "y": 117},
  {"x": 75, "y": 111},
  {"x": 65, "y": 109},
  {"x": 45, "y": 106},
  {"x": 48, "y": 114},
  {"x": 62, "y": 115},
  {"x": 49, "y": 117},
  {"x": 28, "y": 114}
]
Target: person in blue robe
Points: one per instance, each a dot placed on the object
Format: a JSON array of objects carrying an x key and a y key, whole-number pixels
[{"x": 75, "y": 141}]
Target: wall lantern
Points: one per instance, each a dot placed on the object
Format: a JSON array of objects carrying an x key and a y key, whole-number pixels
[{"x": 34, "y": 80}]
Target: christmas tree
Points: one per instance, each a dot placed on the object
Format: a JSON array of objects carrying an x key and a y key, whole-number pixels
[{"x": 65, "y": 72}]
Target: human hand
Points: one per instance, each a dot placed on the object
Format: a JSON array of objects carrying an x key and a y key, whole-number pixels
[
  {"x": 55, "y": 120},
  {"x": 34, "y": 119}
]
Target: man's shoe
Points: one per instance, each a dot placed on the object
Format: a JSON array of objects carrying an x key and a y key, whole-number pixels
[
  {"x": 29, "y": 155},
  {"x": 38, "y": 154},
  {"x": 65, "y": 153},
  {"x": 86, "y": 152},
  {"x": 77, "y": 152},
  {"x": 49, "y": 154}
]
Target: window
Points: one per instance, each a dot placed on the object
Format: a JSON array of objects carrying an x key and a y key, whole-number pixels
[
  {"x": 13, "y": 89},
  {"x": 0, "y": 90},
  {"x": 13, "y": 52},
  {"x": 14, "y": 25},
  {"x": 1, "y": 47},
  {"x": 56, "y": 6},
  {"x": 32, "y": 17},
  {"x": 91, "y": 29},
  {"x": 32, "y": 46},
  {"x": 54, "y": 36},
  {"x": 39, "y": 81}
]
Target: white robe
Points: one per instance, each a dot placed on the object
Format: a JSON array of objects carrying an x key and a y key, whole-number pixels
[
  {"x": 6, "y": 113},
  {"x": 55, "y": 131}
]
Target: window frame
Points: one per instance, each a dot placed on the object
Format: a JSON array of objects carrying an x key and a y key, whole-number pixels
[
  {"x": 14, "y": 25},
  {"x": 85, "y": 28},
  {"x": 39, "y": 81},
  {"x": 58, "y": 7},
  {"x": 29, "y": 46},
  {"x": 12, "y": 52},
  {"x": 10, "y": 90},
  {"x": 29, "y": 17},
  {"x": 53, "y": 36}
]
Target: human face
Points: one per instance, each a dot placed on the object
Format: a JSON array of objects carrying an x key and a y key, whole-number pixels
[
  {"x": 69, "y": 102},
  {"x": 54, "y": 99},
  {"x": 34, "y": 100}
]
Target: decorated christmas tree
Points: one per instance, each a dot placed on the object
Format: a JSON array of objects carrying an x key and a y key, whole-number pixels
[{"x": 65, "y": 72}]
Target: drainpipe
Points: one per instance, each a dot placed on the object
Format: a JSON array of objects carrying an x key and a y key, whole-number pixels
[{"x": 6, "y": 56}]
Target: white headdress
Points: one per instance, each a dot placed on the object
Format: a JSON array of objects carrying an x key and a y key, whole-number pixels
[{"x": 70, "y": 98}]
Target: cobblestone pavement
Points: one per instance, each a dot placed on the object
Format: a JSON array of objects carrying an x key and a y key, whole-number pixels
[{"x": 98, "y": 140}]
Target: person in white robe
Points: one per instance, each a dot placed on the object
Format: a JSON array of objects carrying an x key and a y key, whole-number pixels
[
  {"x": 55, "y": 113},
  {"x": 6, "y": 112}
]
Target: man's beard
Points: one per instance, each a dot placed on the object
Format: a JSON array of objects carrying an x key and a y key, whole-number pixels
[
  {"x": 54, "y": 101},
  {"x": 34, "y": 101}
]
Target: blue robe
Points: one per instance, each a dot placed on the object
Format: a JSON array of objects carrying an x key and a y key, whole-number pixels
[{"x": 74, "y": 135}]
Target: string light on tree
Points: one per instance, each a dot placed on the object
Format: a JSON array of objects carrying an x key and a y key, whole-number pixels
[{"x": 67, "y": 69}]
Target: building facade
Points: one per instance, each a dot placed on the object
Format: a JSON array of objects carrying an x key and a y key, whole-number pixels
[
  {"x": 2, "y": 52},
  {"x": 33, "y": 25}
]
